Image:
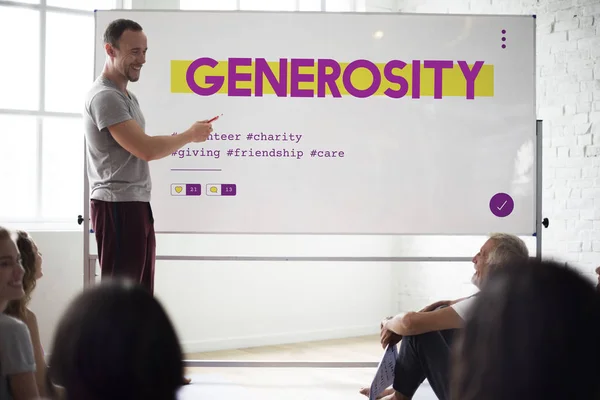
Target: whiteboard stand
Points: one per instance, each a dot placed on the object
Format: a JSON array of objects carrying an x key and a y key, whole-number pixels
[
  {"x": 540, "y": 220},
  {"x": 89, "y": 273}
]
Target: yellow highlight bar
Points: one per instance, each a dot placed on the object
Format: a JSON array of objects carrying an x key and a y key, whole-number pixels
[{"x": 454, "y": 83}]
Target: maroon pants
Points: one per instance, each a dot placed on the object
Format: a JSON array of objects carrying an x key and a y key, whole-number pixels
[{"x": 126, "y": 240}]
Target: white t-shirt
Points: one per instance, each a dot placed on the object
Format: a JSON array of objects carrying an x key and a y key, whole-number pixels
[
  {"x": 16, "y": 351},
  {"x": 463, "y": 307}
]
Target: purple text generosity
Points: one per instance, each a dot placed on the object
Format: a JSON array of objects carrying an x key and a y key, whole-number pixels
[{"x": 307, "y": 77}]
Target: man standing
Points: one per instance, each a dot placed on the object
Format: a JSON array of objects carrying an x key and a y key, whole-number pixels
[
  {"x": 426, "y": 336},
  {"x": 118, "y": 153}
]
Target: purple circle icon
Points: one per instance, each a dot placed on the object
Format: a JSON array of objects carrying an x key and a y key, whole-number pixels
[
  {"x": 503, "y": 31},
  {"x": 502, "y": 205},
  {"x": 503, "y": 46}
]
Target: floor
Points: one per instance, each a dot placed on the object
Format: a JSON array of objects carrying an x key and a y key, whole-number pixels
[{"x": 290, "y": 383}]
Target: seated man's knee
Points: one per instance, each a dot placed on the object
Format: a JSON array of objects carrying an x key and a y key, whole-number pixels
[{"x": 434, "y": 338}]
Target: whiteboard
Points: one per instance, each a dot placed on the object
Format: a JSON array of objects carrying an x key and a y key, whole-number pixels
[{"x": 358, "y": 124}]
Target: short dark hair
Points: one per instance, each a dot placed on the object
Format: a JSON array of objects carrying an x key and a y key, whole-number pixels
[
  {"x": 115, "y": 30},
  {"x": 116, "y": 341}
]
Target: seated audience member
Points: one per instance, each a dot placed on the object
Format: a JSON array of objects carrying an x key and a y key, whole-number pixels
[
  {"x": 31, "y": 260},
  {"x": 533, "y": 333},
  {"x": 427, "y": 335},
  {"x": 116, "y": 342},
  {"x": 17, "y": 363}
]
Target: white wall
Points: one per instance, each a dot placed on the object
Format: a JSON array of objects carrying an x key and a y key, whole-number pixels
[
  {"x": 217, "y": 305},
  {"x": 62, "y": 280}
]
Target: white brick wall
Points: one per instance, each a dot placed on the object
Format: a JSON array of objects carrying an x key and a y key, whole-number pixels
[
  {"x": 568, "y": 83},
  {"x": 569, "y": 103}
]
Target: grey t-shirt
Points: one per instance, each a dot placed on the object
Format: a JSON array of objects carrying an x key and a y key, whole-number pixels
[
  {"x": 16, "y": 352},
  {"x": 114, "y": 174}
]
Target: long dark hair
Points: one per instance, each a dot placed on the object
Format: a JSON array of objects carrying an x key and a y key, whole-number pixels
[
  {"x": 115, "y": 341},
  {"x": 534, "y": 333}
]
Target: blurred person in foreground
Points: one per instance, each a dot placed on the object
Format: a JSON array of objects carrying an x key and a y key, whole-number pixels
[
  {"x": 116, "y": 342},
  {"x": 533, "y": 334}
]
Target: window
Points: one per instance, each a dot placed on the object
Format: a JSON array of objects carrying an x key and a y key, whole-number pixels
[
  {"x": 20, "y": 66},
  {"x": 18, "y": 160},
  {"x": 268, "y": 5},
  {"x": 41, "y": 148},
  {"x": 62, "y": 168},
  {"x": 83, "y": 4},
  {"x": 69, "y": 69},
  {"x": 208, "y": 4}
]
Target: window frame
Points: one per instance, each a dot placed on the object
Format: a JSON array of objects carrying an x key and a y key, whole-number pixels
[{"x": 37, "y": 220}]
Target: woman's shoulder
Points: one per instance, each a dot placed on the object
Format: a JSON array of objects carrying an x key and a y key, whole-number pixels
[
  {"x": 16, "y": 350},
  {"x": 12, "y": 325},
  {"x": 8, "y": 320}
]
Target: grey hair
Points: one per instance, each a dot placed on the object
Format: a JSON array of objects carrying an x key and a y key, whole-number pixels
[{"x": 507, "y": 249}]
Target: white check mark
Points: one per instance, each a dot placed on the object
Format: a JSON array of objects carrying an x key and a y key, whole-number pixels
[{"x": 503, "y": 204}]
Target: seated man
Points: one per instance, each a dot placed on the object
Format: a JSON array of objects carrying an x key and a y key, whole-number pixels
[{"x": 427, "y": 335}]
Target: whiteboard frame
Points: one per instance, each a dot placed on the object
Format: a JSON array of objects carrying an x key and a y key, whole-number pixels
[
  {"x": 89, "y": 264},
  {"x": 526, "y": 232}
]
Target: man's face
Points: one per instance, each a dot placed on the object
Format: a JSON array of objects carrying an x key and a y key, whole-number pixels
[
  {"x": 131, "y": 54},
  {"x": 480, "y": 261}
]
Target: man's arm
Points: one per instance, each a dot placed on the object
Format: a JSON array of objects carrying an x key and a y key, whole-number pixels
[
  {"x": 440, "y": 303},
  {"x": 148, "y": 148},
  {"x": 416, "y": 323},
  {"x": 109, "y": 109}
]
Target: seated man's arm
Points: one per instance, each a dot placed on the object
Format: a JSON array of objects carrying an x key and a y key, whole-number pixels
[
  {"x": 441, "y": 303},
  {"x": 416, "y": 323}
]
